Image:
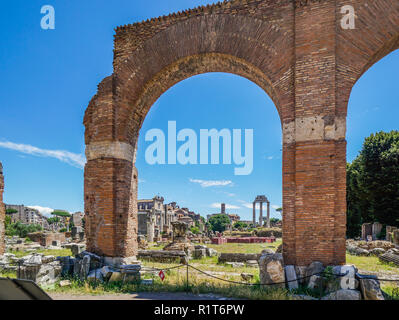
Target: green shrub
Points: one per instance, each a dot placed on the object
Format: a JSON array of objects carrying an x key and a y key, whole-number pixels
[
  {"x": 268, "y": 232},
  {"x": 21, "y": 230},
  {"x": 195, "y": 230}
]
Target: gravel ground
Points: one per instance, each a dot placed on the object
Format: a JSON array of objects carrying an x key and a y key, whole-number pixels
[{"x": 137, "y": 296}]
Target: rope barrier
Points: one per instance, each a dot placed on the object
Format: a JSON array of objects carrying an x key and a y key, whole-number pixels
[
  {"x": 266, "y": 284},
  {"x": 119, "y": 268}
]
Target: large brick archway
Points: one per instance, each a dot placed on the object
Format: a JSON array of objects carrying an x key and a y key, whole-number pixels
[{"x": 296, "y": 51}]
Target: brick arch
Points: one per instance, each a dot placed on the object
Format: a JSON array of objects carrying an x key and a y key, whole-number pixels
[
  {"x": 376, "y": 35},
  {"x": 210, "y": 43},
  {"x": 296, "y": 51},
  {"x": 186, "y": 68}
]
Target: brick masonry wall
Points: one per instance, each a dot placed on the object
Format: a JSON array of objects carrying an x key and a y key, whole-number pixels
[
  {"x": 296, "y": 52},
  {"x": 46, "y": 239},
  {"x": 2, "y": 212}
]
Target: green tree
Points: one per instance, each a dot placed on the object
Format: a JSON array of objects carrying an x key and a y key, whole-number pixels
[
  {"x": 240, "y": 225},
  {"x": 7, "y": 221},
  {"x": 53, "y": 220},
  {"x": 195, "y": 230},
  {"x": 373, "y": 183},
  {"x": 61, "y": 213},
  {"x": 274, "y": 220},
  {"x": 21, "y": 230},
  {"x": 219, "y": 222},
  {"x": 11, "y": 211}
]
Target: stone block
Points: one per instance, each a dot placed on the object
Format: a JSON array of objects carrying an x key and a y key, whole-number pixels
[
  {"x": 316, "y": 282},
  {"x": 210, "y": 252},
  {"x": 271, "y": 270},
  {"x": 291, "y": 278},
  {"x": 370, "y": 289},
  {"x": 95, "y": 276},
  {"x": 199, "y": 253},
  {"x": 343, "y": 294}
]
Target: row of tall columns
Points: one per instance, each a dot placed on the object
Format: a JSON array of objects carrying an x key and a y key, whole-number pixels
[{"x": 261, "y": 213}]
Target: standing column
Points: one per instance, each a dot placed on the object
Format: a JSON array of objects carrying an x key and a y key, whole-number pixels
[
  {"x": 261, "y": 215},
  {"x": 268, "y": 215},
  {"x": 254, "y": 213},
  {"x": 315, "y": 202},
  {"x": 161, "y": 222},
  {"x": 110, "y": 180},
  {"x": 150, "y": 228}
]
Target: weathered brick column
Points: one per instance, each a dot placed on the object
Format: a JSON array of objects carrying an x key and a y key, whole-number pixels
[
  {"x": 110, "y": 188},
  {"x": 2, "y": 212},
  {"x": 314, "y": 146}
]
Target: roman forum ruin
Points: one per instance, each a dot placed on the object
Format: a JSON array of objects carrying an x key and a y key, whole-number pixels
[{"x": 302, "y": 53}]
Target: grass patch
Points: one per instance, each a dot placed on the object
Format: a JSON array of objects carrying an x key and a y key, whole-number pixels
[
  {"x": 391, "y": 290},
  {"x": 8, "y": 274},
  {"x": 46, "y": 252},
  {"x": 371, "y": 263},
  {"x": 175, "y": 281},
  {"x": 244, "y": 247}
]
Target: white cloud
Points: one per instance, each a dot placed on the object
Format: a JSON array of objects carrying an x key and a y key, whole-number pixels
[
  {"x": 228, "y": 206},
  {"x": 275, "y": 206},
  {"x": 212, "y": 183},
  {"x": 230, "y": 194},
  {"x": 43, "y": 210},
  {"x": 270, "y": 158},
  {"x": 246, "y": 204},
  {"x": 73, "y": 159}
]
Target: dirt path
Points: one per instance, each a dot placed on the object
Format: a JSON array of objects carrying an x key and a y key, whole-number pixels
[
  {"x": 381, "y": 274},
  {"x": 137, "y": 296}
]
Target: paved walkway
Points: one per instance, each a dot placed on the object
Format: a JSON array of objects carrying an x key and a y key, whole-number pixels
[{"x": 137, "y": 296}]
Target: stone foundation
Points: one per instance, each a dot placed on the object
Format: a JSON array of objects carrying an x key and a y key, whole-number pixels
[{"x": 341, "y": 282}]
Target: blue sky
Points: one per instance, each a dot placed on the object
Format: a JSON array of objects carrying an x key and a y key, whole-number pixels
[{"x": 49, "y": 76}]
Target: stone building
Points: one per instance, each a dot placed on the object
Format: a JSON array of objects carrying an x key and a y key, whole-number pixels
[
  {"x": 27, "y": 215},
  {"x": 77, "y": 219},
  {"x": 2, "y": 212},
  {"x": 155, "y": 218},
  {"x": 150, "y": 215}
]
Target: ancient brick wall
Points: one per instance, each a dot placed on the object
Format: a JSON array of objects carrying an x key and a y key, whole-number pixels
[
  {"x": 296, "y": 52},
  {"x": 46, "y": 239},
  {"x": 2, "y": 212}
]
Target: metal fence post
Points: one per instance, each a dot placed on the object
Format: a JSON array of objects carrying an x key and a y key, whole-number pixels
[{"x": 187, "y": 278}]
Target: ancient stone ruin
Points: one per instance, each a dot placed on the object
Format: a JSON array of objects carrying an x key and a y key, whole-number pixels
[
  {"x": 371, "y": 231},
  {"x": 296, "y": 51},
  {"x": 180, "y": 239},
  {"x": 342, "y": 282},
  {"x": 261, "y": 199}
]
